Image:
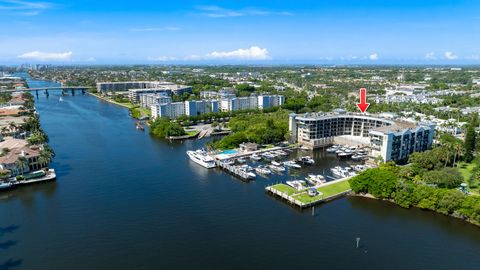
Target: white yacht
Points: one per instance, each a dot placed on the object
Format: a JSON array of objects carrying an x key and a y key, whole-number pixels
[
  {"x": 263, "y": 170},
  {"x": 200, "y": 157},
  {"x": 277, "y": 168},
  {"x": 306, "y": 160},
  {"x": 255, "y": 157},
  {"x": 316, "y": 179},
  {"x": 276, "y": 163},
  {"x": 292, "y": 164}
]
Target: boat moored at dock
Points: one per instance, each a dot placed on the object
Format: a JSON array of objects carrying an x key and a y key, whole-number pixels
[{"x": 201, "y": 158}]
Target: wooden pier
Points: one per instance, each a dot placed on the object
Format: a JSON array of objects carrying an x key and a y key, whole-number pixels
[{"x": 292, "y": 200}]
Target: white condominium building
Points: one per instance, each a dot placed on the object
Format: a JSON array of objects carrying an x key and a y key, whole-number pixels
[
  {"x": 134, "y": 95},
  {"x": 198, "y": 107},
  {"x": 239, "y": 103},
  {"x": 392, "y": 140},
  {"x": 189, "y": 107},
  {"x": 222, "y": 94},
  {"x": 168, "y": 110},
  {"x": 104, "y": 87},
  {"x": 147, "y": 100},
  {"x": 146, "y": 86},
  {"x": 268, "y": 101}
]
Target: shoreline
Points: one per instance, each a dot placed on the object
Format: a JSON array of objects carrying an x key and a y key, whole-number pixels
[
  {"x": 370, "y": 196},
  {"x": 109, "y": 101}
]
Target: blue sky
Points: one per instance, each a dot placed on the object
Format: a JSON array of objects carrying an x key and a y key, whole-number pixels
[{"x": 322, "y": 31}]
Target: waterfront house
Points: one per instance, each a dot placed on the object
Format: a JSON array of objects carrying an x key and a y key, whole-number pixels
[{"x": 12, "y": 149}]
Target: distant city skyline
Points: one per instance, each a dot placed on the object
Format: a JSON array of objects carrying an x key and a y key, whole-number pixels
[{"x": 247, "y": 32}]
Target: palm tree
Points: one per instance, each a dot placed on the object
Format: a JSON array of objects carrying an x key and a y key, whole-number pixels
[
  {"x": 45, "y": 157},
  {"x": 22, "y": 164},
  {"x": 449, "y": 147},
  {"x": 458, "y": 149}
]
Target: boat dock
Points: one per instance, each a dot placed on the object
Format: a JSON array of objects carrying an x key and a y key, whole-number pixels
[
  {"x": 234, "y": 170},
  {"x": 50, "y": 176},
  {"x": 326, "y": 192},
  {"x": 258, "y": 152}
]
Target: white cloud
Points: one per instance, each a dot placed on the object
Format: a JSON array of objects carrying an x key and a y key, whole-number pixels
[
  {"x": 252, "y": 53},
  {"x": 91, "y": 59},
  {"x": 430, "y": 56},
  {"x": 450, "y": 55},
  {"x": 373, "y": 56},
  {"x": 46, "y": 56},
  {"x": 24, "y": 8},
  {"x": 155, "y": 29},
  {"x": 219, "y": 12}
]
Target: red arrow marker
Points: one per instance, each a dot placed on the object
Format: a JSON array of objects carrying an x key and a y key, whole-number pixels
[{"x": 363, "y": 105}]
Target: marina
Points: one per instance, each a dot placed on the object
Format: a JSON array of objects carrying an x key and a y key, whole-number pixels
[{"x": 281, "y": 159}]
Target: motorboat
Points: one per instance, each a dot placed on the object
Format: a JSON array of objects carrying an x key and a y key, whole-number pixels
[
  {"x": 316, "y": 179},
  {"x": 292, "y": 164},
  {"x": 358, "y": 157},
  {"x": 340, "y": 172},
  {"x": 306, "y": 160},
  {"x": 263, "y": 170},
  {"x": 345, "y": 154},
  {"x": 5, "y": 185},
  {"x": 246, "y": 168},
  {"x": 246, "y": 171},
  {"x": 202, "y": 158},
  {"x": 281, "y": 153},
  {"x": 276, "y": 163},
  {"x": 297, "y": 184},
  {"x": 241, "y": 160},
  {"x": 276, "y": 168},
  {"x": 268, "y": 155},
  {"x": 255, "y": 157},
  {"x": 359, "y": 168},
  {"x": 229, "y": 162},
  {"x": 333, "y": 148}
]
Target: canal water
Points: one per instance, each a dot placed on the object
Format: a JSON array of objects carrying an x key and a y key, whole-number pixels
[{"x": 124, "y": 200}]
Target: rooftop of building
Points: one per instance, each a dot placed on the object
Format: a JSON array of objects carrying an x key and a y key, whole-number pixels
[{"x": 390, "y": 124}]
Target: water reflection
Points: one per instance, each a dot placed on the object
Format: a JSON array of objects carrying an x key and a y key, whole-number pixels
[
  {"x": 7, "y": 244},
  {"x": 9, "y": 229},
  {"x": 10, "y": 263}
]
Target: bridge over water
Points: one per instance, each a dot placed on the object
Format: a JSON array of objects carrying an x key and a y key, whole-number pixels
[{"x": 46, "y": 88}]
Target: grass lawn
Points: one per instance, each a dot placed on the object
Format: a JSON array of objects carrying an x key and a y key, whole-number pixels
[
  {"x": 326, "y": 191},
  {"x": 146, "y": 111},
  {"x": 466, "y": 170},
  {"x": 305, "y": 198},
  {"x": 192, "y": 132},
  {"x": 334, "y": 188},
  {"x": 124, "y": 104},
  {"x": 285, "y": 189}
]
